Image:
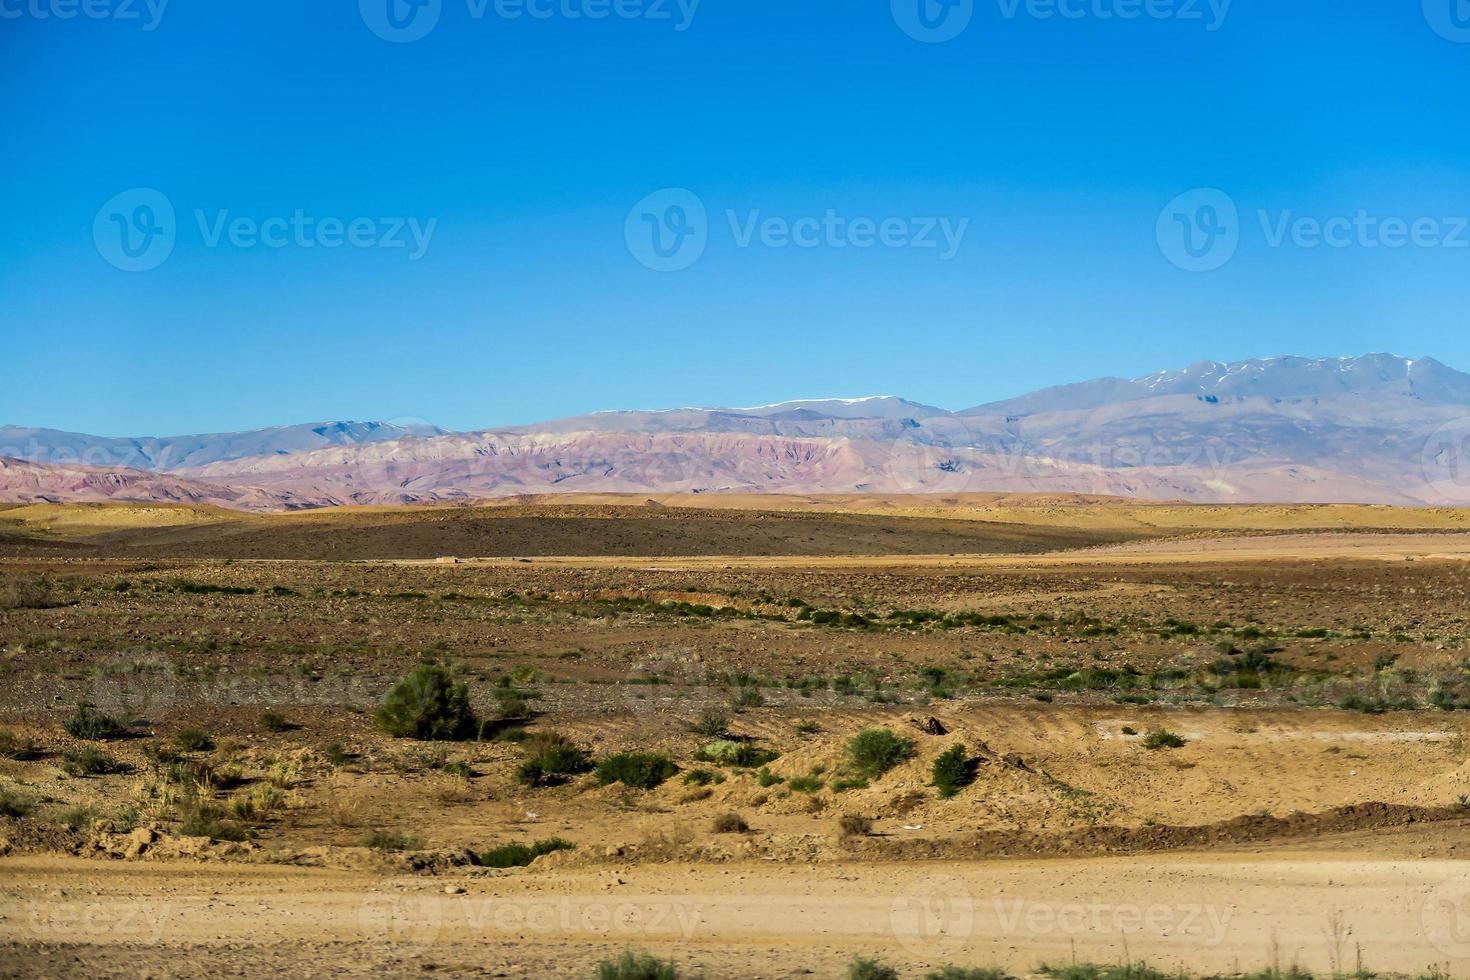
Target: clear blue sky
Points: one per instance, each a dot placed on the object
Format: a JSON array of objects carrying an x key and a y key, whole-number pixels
[{"x": 528, "y": 141}]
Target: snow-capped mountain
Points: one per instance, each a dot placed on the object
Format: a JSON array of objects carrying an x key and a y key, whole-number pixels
[{"x": 1377, "y": 428}]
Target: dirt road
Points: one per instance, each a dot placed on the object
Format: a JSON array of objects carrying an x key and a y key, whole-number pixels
[{"x": 1219, "y": 912}]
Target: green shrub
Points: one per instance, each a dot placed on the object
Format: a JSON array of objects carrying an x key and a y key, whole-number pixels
[
  {"x": 14, "y": 747},
  {"x": 843, "y": 785},
  {"x": 636, "y": 966},
  {"x": 193, "y": 740},
  {"x": 390, "y": 840},
  {"x": 874, "y": 751},
  {"x": 510, "y": 704},
  {"x": 88, "y": 761},
  {"x": 862, "y": 968},
  {"x": 201, "y": 588},
  {"x": 550, "y": 758},
  {"x": 1094, "y": 971},
  {"x": 968, "y": 973},
  {"x": 727, "y": 753},
  {"x": 12, "y": 804},
  {"x": 953, "y": 771},
  {"x": 712, "y": 724},
  {"x": 90, "y": 724},
  {"x": 730, "y": 823},
  {"x": 748, "y": 697},
  {"x": 1162, "y": 738},
  {"x": 804, "y": 784},
  {"x": 203, "y": 819},
  {"x": 77, "y": 817},
  {"x": 636, "y": 769},
  {"x": 428, "y": 704},
  {"x": 458, "y": 768},
  {"x": 767, "y": 779},
  {"x": 26, "y": 593},
  {"x": 521, "y": 855},
  {"x": 702, "y": 777},
  {"x": 272, "y": 721}
]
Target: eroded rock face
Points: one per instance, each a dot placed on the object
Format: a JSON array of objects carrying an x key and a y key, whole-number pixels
[{"x": 1281, "y": 430}]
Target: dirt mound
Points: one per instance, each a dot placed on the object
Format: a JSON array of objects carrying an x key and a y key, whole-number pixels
[{"x": 1242, "y": 830}]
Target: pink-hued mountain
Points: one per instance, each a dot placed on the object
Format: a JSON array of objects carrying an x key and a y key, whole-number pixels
[
  {"x": 1375, "y": 429},
  {"x": 32, "y": 483}
]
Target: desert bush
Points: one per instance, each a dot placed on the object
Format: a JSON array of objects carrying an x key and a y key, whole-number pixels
[
  {"x": 1095, "y": 971},
  {"x": 636, "y": 966},
  {"x": 730, "y": 823},
  {"x": 391, "y": 840},
  {"x": 193, "y": 739},
  {"x": 702, "y": 777},
  {"x": 636, "y": 769},
  {"x": 428, "y": 704},
  {"x": 14, "y": 747},
  {"x": 727, "y": 753},
  {"x": 953, "y": 771},
  {"x": 88, "y": 761},
  {"x": 256, "y": 803},
  {"x": 458, "y": 769},
  {"x": 12, "y": 804},
  {"x": 77, "y": 817},
  {"x": 748, "y": 697},
  {"x": 90, "y": 724},
  {"x": 26, "y": 593},
  {"x": 521, "y": 855},
  {"x": 200, "y": 818},
  {"x": 804, "y": 784},
  {"x": 874, "y": 751},
  {"x": 852, "y": 825},
  {"x": 862, "y": 968},
  {"x": 712, "y": 724},
  {"x": 1162, "y": 738},
  {"x": 1295, "y": 972},
  {"x": 767, "y": 779},
  {"x": 968, "y": 973},
  {"x": 272, "y": 721},
  {"x": 510, "y": 704},
  {"x": 550, "y": 757}
]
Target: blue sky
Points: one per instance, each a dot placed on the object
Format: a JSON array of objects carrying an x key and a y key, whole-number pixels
[{"x": 524, "y": 143}]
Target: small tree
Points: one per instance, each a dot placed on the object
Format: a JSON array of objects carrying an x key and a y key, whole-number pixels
[
  {"x": 428, "y": 704},
  {"x": 550, "y": 757},
  {"x": 874, "y": 751},
  {"x": 953, "y": 771},
  {"x": 635, "y": 769},
  {"x": 90, "y": 724}
]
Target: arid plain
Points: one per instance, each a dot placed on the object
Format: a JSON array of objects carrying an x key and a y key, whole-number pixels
[{"x": 752, "y": 736}]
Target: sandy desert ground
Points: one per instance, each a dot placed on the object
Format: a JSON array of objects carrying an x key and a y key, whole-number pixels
[{"x": 1218, "y": 740}]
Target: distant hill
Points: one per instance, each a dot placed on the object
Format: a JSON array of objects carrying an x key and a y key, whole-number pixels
[{"x": 1371, "y": 429}]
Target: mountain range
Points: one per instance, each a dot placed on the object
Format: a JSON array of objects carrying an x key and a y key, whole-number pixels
[{"x": 1372, "y": 429}]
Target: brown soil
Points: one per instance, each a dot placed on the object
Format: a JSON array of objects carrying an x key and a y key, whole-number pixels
[{"x": 1305, "y": 830}]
